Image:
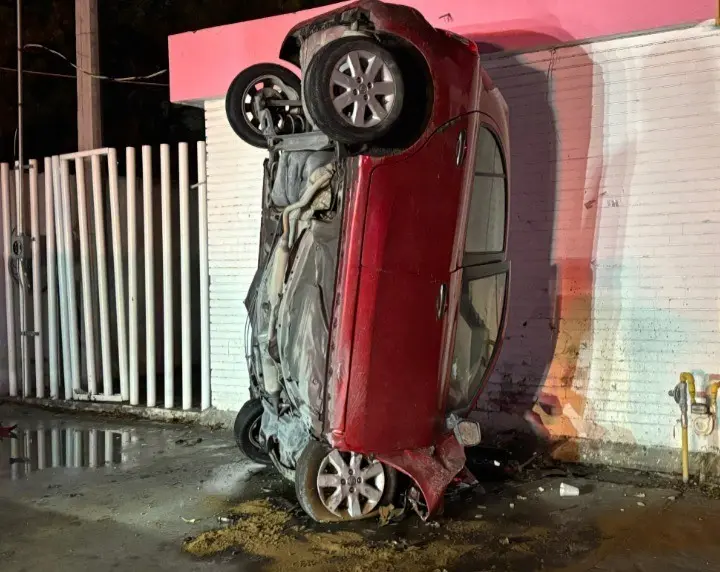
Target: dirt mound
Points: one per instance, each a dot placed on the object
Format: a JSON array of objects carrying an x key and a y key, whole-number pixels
[{"x": 267, "y": 532}]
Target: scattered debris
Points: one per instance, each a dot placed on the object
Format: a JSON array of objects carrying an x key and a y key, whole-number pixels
[
  {"x": 229, "y": 518},
  {"x": 640, "y": 496},
  {"x": 671, "y": 498},
  {"x": 189, "y": 520},
  {"x": 478, "y": 516},
  {"x": 505, "y": 541},
  {"x": 532, "y": 458},
  {"x": 568, "y": 490},
  {"x": 189, "y": 442},
  {"x": 541, "y": 490},
  {"x": 520, "y": 497},
  {"x": 8, "y": 432},
  {"x": 433, "y": 524},
  {"x": 415, "y": 498},
  {"x": 496, "y": 463},
  {"x": 512, "y": 505},
  {"x": 640, "y": 503},
  {"x": 389, "y": 514}
]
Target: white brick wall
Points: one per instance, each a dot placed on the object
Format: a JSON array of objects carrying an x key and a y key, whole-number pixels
[
  {"x": 615, "y": 221},
  {"x": 234, "y": 202}
]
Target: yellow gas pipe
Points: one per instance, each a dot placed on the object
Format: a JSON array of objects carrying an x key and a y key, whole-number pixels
[
  {"x": 689, "y": 380},
  {"x": 685, "y": 387},
  {"x": 713, "y": 394}
]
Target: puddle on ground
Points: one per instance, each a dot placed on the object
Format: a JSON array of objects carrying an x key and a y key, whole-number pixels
[{"x": 56, "y": 444}]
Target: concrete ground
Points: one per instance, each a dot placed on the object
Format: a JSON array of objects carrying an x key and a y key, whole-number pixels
[{"x": 92, "y": 493}]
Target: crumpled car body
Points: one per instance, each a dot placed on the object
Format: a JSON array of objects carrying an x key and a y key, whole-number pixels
[{"x": 364, "y": 317}]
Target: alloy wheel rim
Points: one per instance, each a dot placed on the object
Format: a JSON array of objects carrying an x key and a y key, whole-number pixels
[
  {"x": 350, "y": 484},
  {"x": 363, "y": 89}
]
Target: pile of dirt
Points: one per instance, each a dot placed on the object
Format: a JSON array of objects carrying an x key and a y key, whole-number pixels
[
  {"x": 267, "y": 532},
  {"x": 259, "y": 528}
]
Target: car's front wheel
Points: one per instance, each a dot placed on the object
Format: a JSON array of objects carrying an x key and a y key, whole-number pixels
[
  {"x": 334, "y": 486},
  {"x": 353, "y": 90}
]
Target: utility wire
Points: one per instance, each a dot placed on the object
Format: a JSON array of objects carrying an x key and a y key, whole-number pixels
[
  {"x": 74, "y": 76},
  {"x": 130, "y": 79}
]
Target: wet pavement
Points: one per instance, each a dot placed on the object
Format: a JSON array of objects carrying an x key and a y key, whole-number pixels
[{"x": 88, "y": 493}]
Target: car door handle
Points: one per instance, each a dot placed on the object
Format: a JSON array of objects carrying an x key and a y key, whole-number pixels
[
  {"x": 461, "y": 148},
  {"x": 441, "y": 302}
]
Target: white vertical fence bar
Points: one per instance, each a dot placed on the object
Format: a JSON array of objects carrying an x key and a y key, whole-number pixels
[
  {"x": 86, "y": 277},
  {"x": 185, "y": 325},
  {"x": 119, "y": 279},
  {"x": 37, "y": 294},
  {"x": 150, "y": 370},
  {"x": 51, "y": 285},
  {"x": 70, "y": 280},
  {"x": 132, "y": 276},
  {"x": 9, "y": 297},
  {"x": 204, "y": 277},
  {"x": 22, "y": 292},
  {"x": 102, "y": 285},
  {"x": 167, "y": 275},
  {"x": 62, "y": 283}
]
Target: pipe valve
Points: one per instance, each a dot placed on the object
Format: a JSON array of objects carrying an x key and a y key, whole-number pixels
[{"x": 679, "y": 394}]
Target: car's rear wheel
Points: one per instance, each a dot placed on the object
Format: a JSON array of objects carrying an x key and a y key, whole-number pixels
[
  {"x": 353, "y": 90},
  {"x": 334, "y": 486},
  {"x": 247, "y": 431},
  {"x": 270, "y": 82}
]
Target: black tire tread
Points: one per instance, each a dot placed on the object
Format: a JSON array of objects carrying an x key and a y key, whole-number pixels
[
  {"x": 233, "y": 105},
  {"x": 306, "y": 484},
  {"x": 244, "y": 420},
  {"x": 317, "y": 97}
]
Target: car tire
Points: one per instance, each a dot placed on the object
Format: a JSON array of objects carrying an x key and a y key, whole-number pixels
[
  {"x": 306, "y": 484},
  {"x": 238, "y": 109},
  {"x": 349, "y": 114},
  {"x": 246, "y": 429}
]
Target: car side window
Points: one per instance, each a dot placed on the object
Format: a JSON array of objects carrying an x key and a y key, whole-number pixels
[
  {"x": 485, "y": 232},
  {"x": 480, "y": 312}
]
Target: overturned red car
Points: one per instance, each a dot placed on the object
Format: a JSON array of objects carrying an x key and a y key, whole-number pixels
[{"x": 378, "y": 308}]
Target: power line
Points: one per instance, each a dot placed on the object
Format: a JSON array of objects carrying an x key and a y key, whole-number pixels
[
  {"x": 131, "y": 79},
  {"x": 74, "y": 76}
]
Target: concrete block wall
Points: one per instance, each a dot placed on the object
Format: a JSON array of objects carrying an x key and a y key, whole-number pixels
[
  {"x": 234, "y": 201},
  {"x": 615, "y": 219}
]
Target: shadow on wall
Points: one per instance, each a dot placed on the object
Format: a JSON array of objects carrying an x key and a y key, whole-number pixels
[{"x": 556, "y": 101}]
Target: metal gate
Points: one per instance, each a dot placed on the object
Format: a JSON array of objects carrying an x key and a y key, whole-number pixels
[{"x": 83, "y": 283}]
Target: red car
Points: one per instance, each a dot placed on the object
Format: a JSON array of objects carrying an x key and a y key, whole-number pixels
[{"x": 378, "y": 308}]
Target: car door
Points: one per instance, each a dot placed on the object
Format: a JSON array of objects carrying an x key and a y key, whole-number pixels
[
  {"x": 409, "y": 238},
  {"x": 480, "y": 285}
]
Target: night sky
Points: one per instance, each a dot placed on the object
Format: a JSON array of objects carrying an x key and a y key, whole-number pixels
[{"x": 133, "y": 42}]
